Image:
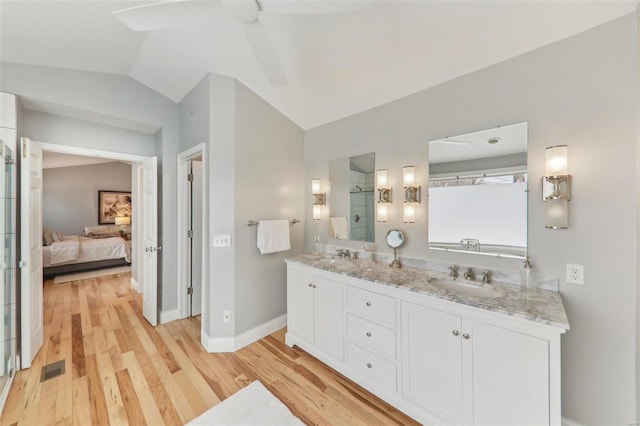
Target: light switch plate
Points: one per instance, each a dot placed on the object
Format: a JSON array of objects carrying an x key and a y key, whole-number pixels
[
  {"x": 222, "y": 240},
  {"x": 575, "y": 274}
]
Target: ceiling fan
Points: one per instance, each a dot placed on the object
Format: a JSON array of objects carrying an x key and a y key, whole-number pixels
[{"x": 182, "y": 12}]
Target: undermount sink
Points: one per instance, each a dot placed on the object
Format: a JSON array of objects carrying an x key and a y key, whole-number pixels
[
  {"x": 337, "y": 262},
  {"x": 465, "y": 287}
]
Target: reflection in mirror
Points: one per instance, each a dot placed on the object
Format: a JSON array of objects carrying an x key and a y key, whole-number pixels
[
  {"x": 351, "y": 200},
  {"x": 477, "y": 192}
]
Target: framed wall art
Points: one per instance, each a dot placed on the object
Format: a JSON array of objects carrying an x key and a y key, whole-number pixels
[{"x": 112, "y": 204}]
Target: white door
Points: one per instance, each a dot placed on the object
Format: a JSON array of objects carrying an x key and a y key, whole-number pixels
[
  {"x": 328, "y": 302},
  {"x": 432, "y": 360},
  {"x": 31, "y": 250},
  {"x": 149, "y": 227},
  {"x": 510, "y": 382},
  {"x": 300, "y": 303},
  {"x": 196, "y": 240}
]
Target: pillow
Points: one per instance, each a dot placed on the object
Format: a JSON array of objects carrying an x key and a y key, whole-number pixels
[
  {"x": 47, "y": 236},
  {"x": 57, "y": 236}
]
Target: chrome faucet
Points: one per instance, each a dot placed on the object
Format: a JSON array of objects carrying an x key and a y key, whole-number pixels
[
  {"x": 355, "y": 255},
  {"x": 453, "y": 271},
  {"x": 486, "y": 277},
  {"x": 469, "y": 274},
  {"x": 343, "y": 253}
]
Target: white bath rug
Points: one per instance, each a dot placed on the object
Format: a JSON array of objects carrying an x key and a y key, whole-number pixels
[
  {"x": 252, "y": 405},
  {"x": 77, "y": 276}
]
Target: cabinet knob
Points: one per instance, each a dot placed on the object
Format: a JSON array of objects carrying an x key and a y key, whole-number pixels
[
  {"x": 369, "y": 365},
  {"x": 368, "y": 303},
  {"x": 314, "y": 286},
  {"x": 310, "y": 285},
  {"x": 456, "y": 332},
  {"x": 368, "y": 334},
  {"x": 466, "y": 336}
]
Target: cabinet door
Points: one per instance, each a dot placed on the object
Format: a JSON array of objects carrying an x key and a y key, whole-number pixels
[
  {"x": 329, "y": 316},
  {"x": 510, "y": 376},
  {"x": 300, "y": 303},
  {"x": 432, "y": 361}
]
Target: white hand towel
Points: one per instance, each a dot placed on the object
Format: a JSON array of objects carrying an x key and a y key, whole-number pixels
[
  {"x": 273, "y": 236},
  {"x": 339, "y": 229}
]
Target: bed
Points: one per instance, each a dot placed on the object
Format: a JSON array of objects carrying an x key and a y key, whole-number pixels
[{"x": 84, "y": 253}]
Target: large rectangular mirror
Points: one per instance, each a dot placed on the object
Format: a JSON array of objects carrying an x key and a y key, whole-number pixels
[
  {"x": 478, "y": 192},
  {"x": 351, "y": 200}
]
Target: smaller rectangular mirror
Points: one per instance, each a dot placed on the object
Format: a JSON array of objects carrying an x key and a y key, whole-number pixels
[
  {"x": 478, "y": 192},
  {"x": 351, "y": 199}
]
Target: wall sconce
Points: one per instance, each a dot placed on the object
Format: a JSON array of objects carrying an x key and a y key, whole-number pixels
[
  {"x": 319, "y": 199},
  {"x": 411, "y": 194},
  {"x": 384, "y": 195},
  {"x": 556, "y": 187}
]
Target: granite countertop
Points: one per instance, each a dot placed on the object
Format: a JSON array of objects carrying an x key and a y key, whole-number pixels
[{"x": 537, "y": 305}]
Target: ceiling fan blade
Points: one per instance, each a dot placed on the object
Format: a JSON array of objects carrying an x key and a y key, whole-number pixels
[
  {"x": 312, "y": 6},
  {"x": 167, "y": 14},
  {"x": 265, "y": 53}
]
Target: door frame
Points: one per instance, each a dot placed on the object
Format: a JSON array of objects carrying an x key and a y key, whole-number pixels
[
  {"x": 90, "y": 152},
  {"x": 183, "y": 223}
]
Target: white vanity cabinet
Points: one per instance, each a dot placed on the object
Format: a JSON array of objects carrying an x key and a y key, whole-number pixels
[
  {"x": 439, "y": 361},
  {"x": 315, "y": 313},
  {"x": 469, "y": 372}
]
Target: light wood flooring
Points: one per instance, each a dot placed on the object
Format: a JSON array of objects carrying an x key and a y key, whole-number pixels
[{"x": 120, "y": 370}]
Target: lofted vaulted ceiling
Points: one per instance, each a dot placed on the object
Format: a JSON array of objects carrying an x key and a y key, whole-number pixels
[{"x": 336, "y": 64}]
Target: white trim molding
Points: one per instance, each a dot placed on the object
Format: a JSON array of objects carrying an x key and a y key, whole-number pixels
[
  {"x": 168, "y": 316},
  {"x": 569, "y": 422},
  {"x": 232, "y": 344},
  {"x": 136, "y": 286}
]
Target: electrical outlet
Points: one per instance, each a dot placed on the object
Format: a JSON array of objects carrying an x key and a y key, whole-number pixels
[
  {"x": 575, "y": 274},
  {"x": 226, "y": 316},
  {"x": 222, "y": 240}
]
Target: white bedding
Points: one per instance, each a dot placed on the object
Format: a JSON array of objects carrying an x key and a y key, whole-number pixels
[{"x": 83, "y": 249}]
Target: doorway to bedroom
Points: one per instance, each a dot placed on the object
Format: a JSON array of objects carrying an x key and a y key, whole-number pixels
[{"x": 127, "y": 214}]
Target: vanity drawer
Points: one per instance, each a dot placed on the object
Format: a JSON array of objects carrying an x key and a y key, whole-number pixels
[
  {"x": 372, "y": 336},
  {"x": 372, "y": 306},
  {"x": 373, "y": 368}
]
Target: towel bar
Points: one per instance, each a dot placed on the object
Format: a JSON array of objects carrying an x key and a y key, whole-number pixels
[{"x": 255, "y": 222}]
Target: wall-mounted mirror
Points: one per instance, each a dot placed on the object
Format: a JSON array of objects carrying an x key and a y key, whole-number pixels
[
  {"x": 478, "y": 192},
  {"x": 351, "y": 199}
]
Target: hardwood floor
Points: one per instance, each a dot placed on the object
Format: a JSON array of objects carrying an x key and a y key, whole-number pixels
[{"x": 120, "y": 370}]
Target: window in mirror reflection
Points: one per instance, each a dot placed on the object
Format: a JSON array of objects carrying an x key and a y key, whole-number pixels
[{"x": 478, "y": 192}]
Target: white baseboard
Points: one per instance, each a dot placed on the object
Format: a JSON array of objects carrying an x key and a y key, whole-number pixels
[
  {"x": 168, "y": 316},
  {"x": 135, "y": 285},
  {"x": 232, "y": 344},
  {"x": 569, "y": 422}
]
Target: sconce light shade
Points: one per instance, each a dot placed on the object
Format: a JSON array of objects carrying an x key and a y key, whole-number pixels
[
  {"x": 383, "y": 212},
  {"x": 319, "y": 199},
  {"x": 411, "y": 194},
  {"x": 556, "y": 187},
  {"x": 381, "y": 178},
  {"x": 555, "y": 158},
  {"x": 408, "y": 175},
  {"x": 409, "y": 215},
  {"x": 557, "y": 214}
]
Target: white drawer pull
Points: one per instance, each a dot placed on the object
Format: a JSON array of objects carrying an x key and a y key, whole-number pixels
[
  {"x": 368, "y": 303},
  {"x": 368, "y": 334},
  {"x": 369, "y": 365}
]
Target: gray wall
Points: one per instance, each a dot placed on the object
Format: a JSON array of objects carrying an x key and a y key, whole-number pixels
[
  {"x": 70, "y": 194},
  {"x": 255, "y": 172},
  {"x": 638, "y": 214},
  {"x": 580, "y": 91},
  {"x": 269, "y": 184},
  {"x": 117, "y": 98}
]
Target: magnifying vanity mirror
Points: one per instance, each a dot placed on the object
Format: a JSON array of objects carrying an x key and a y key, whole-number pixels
[
  {"x": 478, "y": 192},
  {"x": 395, "y": 240},
  {"x": 351, "y": 200}
]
